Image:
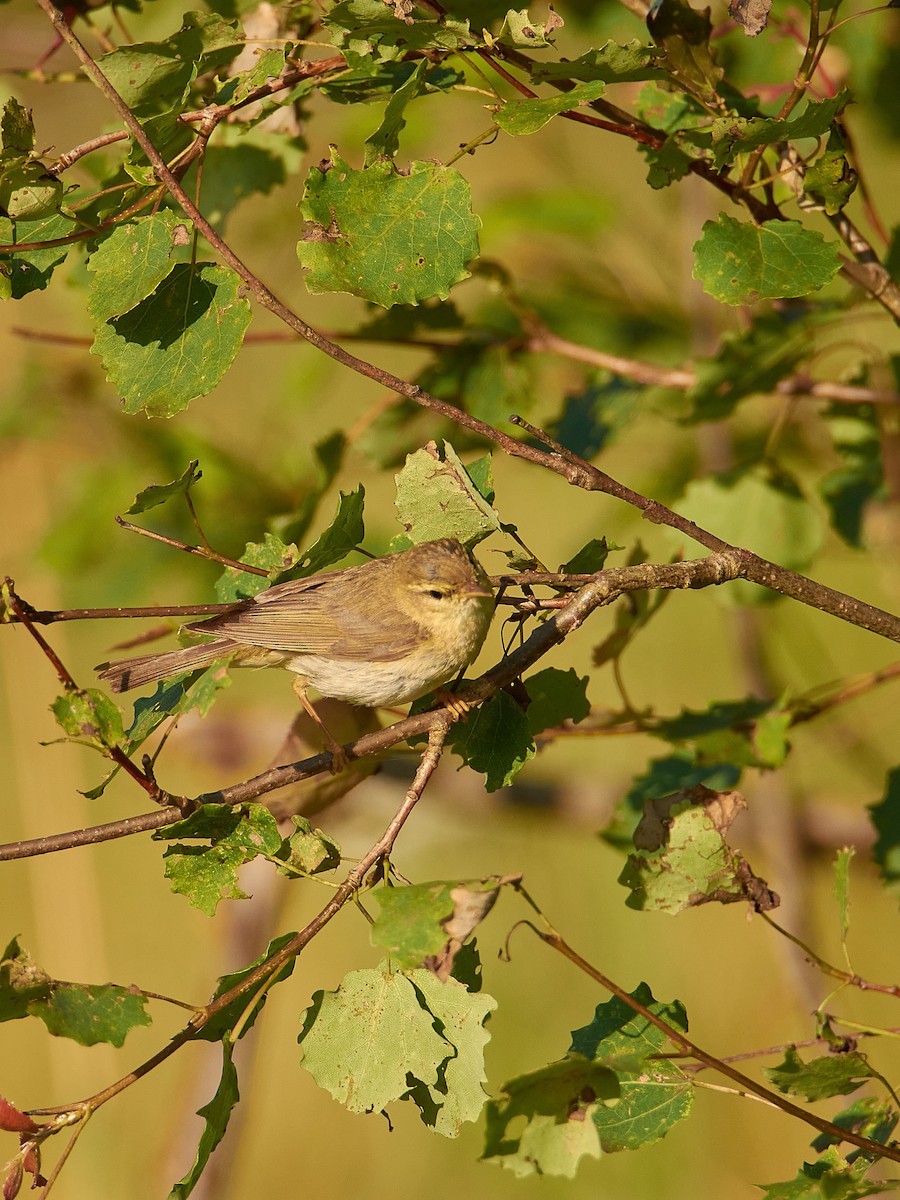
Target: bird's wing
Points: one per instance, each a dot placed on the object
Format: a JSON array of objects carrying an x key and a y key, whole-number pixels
[{"x": 307, "y": 616}]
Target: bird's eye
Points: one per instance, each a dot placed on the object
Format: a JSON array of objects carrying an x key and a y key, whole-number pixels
[{"x": 436, "y": 594}]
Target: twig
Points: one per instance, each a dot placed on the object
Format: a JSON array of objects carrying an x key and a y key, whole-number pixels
[
  {"x": 202, "y": 551},
  {"x": 553, "y": 939},
  {"x": 345, "y": 892}
]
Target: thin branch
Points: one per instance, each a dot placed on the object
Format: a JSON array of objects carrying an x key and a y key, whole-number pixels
[
  {"x": 202, "y": 551},
  {"x": 603, "y": 588},
  {"x": 553, "y": 939},
  {"x": 345, "y": 892}
]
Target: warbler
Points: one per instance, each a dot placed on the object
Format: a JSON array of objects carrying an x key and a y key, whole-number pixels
[{"x": 381, "y": 633}]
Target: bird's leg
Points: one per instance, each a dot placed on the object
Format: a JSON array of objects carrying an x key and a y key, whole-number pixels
[
  {"x": 339, "y": 759},
  {"x": 457, "y": 707}
]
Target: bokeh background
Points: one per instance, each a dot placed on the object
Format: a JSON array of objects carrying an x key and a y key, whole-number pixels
[{"x": 608, "y": 262}]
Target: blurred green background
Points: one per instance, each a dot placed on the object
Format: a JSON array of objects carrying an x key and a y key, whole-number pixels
[{"x": 608, "y": 262}]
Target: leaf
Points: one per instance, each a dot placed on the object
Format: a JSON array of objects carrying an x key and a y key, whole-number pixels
[
  {"x": 30, "y": 270},
  {"x": 830, "y": 181},
  {"x": 682, "y": 859},
  {"x": 89, "y": 716},
  {"x": 752, "y": 361},
  {"x": 592, "y": 419},
  {"x": 885, "y": 816},
  {"x": 521, "y": 117},
  {"x": 308, "y": 851},
  {"x": 21, "y": 982},
  {"x": 495, "y": 739},
  {"x": 342, "y": 536},
  {"x": 28, "y": 192},
  {"x": 385, "y": 141},
  {"x": 416, "y": 921},
  {"x": 736, "y": 135},
  {"x": 159, "y": 493},
  {"x": 367, "y": 27},
  {"x": 842, "y": 887},
  {"x": 360, "y": 1041},
  {"x": 248, "y": 1006},
  {"x": 868, "y": 1116},
  {"x": 556, "y": 696},
  {"x": 90, "y": 1014},
  {"x": 519, "y": 29},
  {"x": 557, "y": 1104},
  {"x": 664, "y": 777},
  {"x": 611, "y": 62},
  {"x": 216, "y": 1114},
  {"x": 130, "y": 264},
  {"x": 740, "y": 263},
  {"x": 653, "y": 1094},
  {"x": 208, "y": 874},
  {"x": 849, "y": 490},
  {"x": 271, "y": 554},
  {"x": 830, "y": 1075},
  {"x": 831, "y": 1178},
  {"x": 177, "y": 343},
  {"x": 387, "y": 237},
  {"x": 436, "y": 499},
  {"x": 759, "y": 511},
  {"x": 590, "y": 558},
  {"x": 458, "y": 1094},
  {"x": 153, "y": 75},
  {"x": 684, "y": 34},
  {"x": 751, "y": 15},
  {"x": 17, "y": 127}
]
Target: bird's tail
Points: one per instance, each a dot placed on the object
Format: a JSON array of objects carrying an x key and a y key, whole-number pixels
[{"x": 148, "y": 668}]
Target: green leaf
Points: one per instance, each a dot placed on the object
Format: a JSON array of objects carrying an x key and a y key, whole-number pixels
[
  {"x": 842, "y": 887},
  {"x": 867, "y": 1115},
  {"x": 216, "y": 1114},
  {"x": 684, "y": 34},
  {"x": 830, "y": 1075},
  {"x": 849, "y": 490},
  {"x": 458, "y": 1094},
  {"x": 682, "y": 859},
  {"x": 436, "y": 499},
  {"x": 271, "y": 554},
  {"x": 611, "y": 62},
  {"x": 592, "y": 419},
  {"x": 368, "y": 27},
  {"x": 830, "y": 181},
  {"x": 885, "y": 816},
  {"x": 590, "y": 558},
  {"x": 308, "y": 851},
  {"x": 495, "y": 739},
  {"x": 21, "y": 982},
  {"x": 388, "y": 237},
  {"x": 543, "y": 1123},
  {"x": 759, "y": 511},
  {"x": 385, "y": 141},
  {"x": 741, "y": 263},
  {"x": 832, "y": 1178},
  {"x": 556, "y": 696},
  {"x": 91, "y": 1014},
  {"x": 17, "y": 127},
  {"x": 197, "y": 694},
  {"x": 208, "y": 874},
  {"x": 653, "y": 1094},
  {"x": 237, "y": 170},
  {"x": 664, "y": 777},
  {"x": 159, "y": 493},
  {"x": 153, "y": 75},
  {"x": 416, "y": 922},
  {"x": 30, "y": 270},
  {"x": 89, "y": 716},
  {"x": 736, "y": 135},
  {"x": 520, "y": 30},
  {"x": 382, "y": 1013},
  {"x": 27, "y": 191},
  {"x": 522, "y": 117},
  {"x": 342, "y": 536},
  {"x": 752, "y": 361},
  {"x": 246, "y": 1007},
  {"x": 178, "y": 342},
  {"x": 770, "y": 738},
  {"x": 130, "y": 264}
]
